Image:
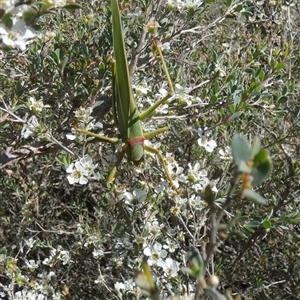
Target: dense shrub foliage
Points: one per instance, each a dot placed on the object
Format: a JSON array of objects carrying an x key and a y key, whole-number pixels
[{"x": 68, "y": 234}]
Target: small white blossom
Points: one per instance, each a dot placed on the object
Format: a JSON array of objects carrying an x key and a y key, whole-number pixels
[
  {"x": 31, "y": 264},
  {"x": 30, "y": 128},
  {"x": 154, "y": 227},
  {"x": 141, "y": 88},
  {"x": 170, "y": 245},
  {"x": 98, "y": 252},
  {"x": 58, "y": 3},
  {"x": 136, "y": 197},
  {"x": 156, "y": 254},
  {"x": 30, "y": 243},
  {"x": 18, "y": 36},
  {"x": 64, "y": 256},
  {"x": 170, "y": 267},
  {"x": 196, "y": 172},
  {"x": 208, "y": 145},
  {"x": 195, "y": 202},
  {"x": 28, "y": 295},
  {"x": 7, "y": 4},
  {"x": 118, "y": 287},
  {"x": 83, "y": 114},
  {"x": 225, "y": 153},
  {"x": 36, "y": 106},
  {"x": 77, "y": 173},
  {"x": 80, "y": 170},
  {"x": 185, "y": 3}
]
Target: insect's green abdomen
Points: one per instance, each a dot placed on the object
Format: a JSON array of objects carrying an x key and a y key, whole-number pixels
[{"x": 136, "y": 148}]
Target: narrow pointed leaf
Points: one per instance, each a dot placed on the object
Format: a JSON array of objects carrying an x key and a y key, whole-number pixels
[{"x": 253, "y": 196}]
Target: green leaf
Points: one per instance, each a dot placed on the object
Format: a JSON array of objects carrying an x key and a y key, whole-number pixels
[
  {"x": 236, "y": 115},
  {"x": 239, "y": 8},
  {"x": 29, "y": 16},
  {"x": 255, "y": 147},
  {"x": 281, "y": 218},
  {"x": 261, "y": 172},
  {"x": 240, "y": 149},
  {"x": 213, "y": 99},
  {"x": 7, "y": 20},
  {"x": 279, "y": 66},
  {"x": 72, "y": 6},
  {"x": 56, "y": 55},
  {"x": 284, "y": 90},
  {"x": 208, "y": 195},
  {"x": 252, "y": 224},
  {"x": 267, "y": 224},
  {"x": 228, "y": 3},
  {"x": 3, "y": 253},
  {"x": 253, "y": 196},
  {"x": 196, "y": 264},
  {"x": 282, "y": 99},
  {"x": 261, "y": 157},
  {"x": 63, "y": 63}
]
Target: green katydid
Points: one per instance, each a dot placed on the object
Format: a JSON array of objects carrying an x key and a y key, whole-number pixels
[{"x": 126, "y": 115}]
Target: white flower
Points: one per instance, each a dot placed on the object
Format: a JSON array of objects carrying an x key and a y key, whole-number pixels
[
  {"x": 80, "y": 170},
  {"x": 64, "y": 256},
  {"x": 196, "y": 172},
  {"x": 77, "y": 173},
  {"x": 7, "y": 4},
  {"x": 85, "y": 121},
  {"x": 83, "y": 114},
  {"x": 156, "y": 254},
  {"x": 195, "y": 202},
  {"x": 222, "y": 73},
  {"x": 18, "y": 35},
  {"x": 36, "y": 106},
  {"x": 141, "y": 88},
  {"x": 31, "y": 264},
  {"x": 98, "y": 252},
  {"x": 87, "y": 164},
  {"x": 137, "y": 13},
  {"x": 185, "y": 3},
  {"x": 30, "y": 128},
  {"x": 28, "y": 295},
  {"x": 162, "y": 92},
  {"x": 100, "y": 279},
  {"x": 226, "y": 153},
  {"x": 57, "y": 254},
  {"x": 170, "y": 267},
  {"x": 71, "y": 136},
  {"x": 118, "y": 287},
  {"x": 170, "y": 245},
  {"x": 208, "y": 145},
  {"x": 58, "y": 3},
  {"x": 183, "y": 94},
  {"x": 163, "y": 109},
  {"x": 30, "y": 243},
  {"x": 166, "y": 46},
  {"x": 154, "y": 227},
  {"x": 136, "y": 197}
]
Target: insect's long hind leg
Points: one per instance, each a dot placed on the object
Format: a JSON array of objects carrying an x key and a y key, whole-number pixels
[
  {"x": 161, "y": 160},
  {"x": 112, "y": 175}
]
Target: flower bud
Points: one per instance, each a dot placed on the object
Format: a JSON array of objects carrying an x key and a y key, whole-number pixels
[
  {"x": 152, "y": 27},
  {"x": 213, "y": 281}
]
